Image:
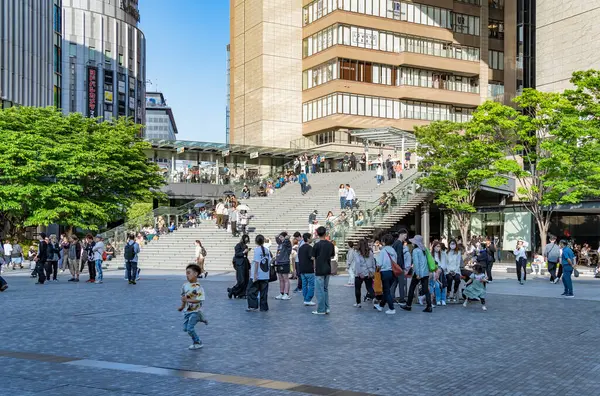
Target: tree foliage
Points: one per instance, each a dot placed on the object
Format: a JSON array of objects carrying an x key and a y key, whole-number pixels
[
  {"x": 553, "y": 145},
  {"x": 457, "y": 159},
  {"x": 70, "y": 170}
]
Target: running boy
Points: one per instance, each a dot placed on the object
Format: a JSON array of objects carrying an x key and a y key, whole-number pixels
[{"x": 192, "y": 296}]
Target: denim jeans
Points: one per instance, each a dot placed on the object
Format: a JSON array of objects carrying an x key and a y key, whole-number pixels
[
  {"x": 342, "y": 203},
  {"x": 99, "y": 270},
  {"x": 322, "y": 291},
  {"x": 379, "y": 179},
  {"x": 131, "y": 267},
  {"x": 566, "y": 278},
  {"x": 387, "y": 277},
  {"x": 440, "y": 292},
  {"x": 308, "y": 286},
  {"x": 400, "y": 283},
  {"x": 189, "y": 324},
  {"x": 303, "y": 188}
]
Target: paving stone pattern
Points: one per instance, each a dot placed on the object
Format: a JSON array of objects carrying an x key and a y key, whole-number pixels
[{"x": 523, "y": 345}]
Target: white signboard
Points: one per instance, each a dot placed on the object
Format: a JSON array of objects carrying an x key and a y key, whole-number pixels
[{"x": 254, "y": 155}]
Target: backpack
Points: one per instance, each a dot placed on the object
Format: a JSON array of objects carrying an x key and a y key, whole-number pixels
[
  {"x": 129, "y": 251},
  {"x": 203, "y": 251},
  {"x": 264, "y": 262}
]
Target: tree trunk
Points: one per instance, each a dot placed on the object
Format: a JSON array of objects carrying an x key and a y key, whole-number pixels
[
  {"x": 464, "y": 223},
  {"x": 543, "y": 226}
]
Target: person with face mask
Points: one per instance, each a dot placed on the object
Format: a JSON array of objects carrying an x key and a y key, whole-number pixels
[{"x": 454, "y": 261}]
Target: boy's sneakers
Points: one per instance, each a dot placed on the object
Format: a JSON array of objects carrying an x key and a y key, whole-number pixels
[
  {"x": 279, "y": 297},
  {"x": 309, "y": 303},
  {"x": 286, "y": 297},
  {"x": 195, "y": 346}
]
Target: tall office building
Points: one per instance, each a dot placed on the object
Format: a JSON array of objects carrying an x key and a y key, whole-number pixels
[
  {"x": 160, "y": 123},
  {"x": 566, "y": 41},
  {"x": 26, "y": 57},
  {"x": 364, "y": 64},
  {"x": 104, "y": 59}
]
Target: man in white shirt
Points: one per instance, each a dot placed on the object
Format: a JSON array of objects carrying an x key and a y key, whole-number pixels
[
  {"x": 219, "y": 211},
  {"x": 8, "y": 249},
  {"x": 350, "y": 196}
]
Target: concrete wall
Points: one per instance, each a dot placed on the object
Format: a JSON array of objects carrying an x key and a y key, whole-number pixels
[{"x": 567, "y": 40}]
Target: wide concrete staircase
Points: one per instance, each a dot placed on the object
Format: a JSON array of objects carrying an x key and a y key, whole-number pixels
[{"x": 286, "y": 210}]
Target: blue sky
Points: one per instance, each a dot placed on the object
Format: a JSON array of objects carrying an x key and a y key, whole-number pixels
[{"x": 187, "y": 60}]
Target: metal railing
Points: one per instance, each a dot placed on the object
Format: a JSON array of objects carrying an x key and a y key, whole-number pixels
[{"x": 371, "y": 214}]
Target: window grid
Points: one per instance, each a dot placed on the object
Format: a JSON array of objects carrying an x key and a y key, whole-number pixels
[
  {"x": 355, "y": 36},
  {"x": 390, "y": 9},
  {"x": 371, "y": 106}
]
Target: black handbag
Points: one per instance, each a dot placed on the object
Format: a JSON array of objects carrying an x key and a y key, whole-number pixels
[{"x": 272, "y": 274}]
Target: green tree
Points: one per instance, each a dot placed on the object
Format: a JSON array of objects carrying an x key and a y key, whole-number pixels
[
  {"x": 70, "y": 170},
  {"x": 552, "y": 146},
  {"x": 457, "y": 160}
]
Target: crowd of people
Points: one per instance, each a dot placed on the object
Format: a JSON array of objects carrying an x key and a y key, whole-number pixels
[{"x": 393, "y": 270}]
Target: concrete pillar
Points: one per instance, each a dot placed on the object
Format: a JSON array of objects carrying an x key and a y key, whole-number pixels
[
  {"x": 418, "y": 220},
  {"x": 425, "y": 230},
  {"x": 403, "y": 151},
  {"x": 173, "y": 159},
  {"x": 217, "y": 170}
]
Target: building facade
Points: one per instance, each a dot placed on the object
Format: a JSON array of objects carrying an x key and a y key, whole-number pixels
[
  {"x": 103, "y": 59},
  {"x": 565, "y": 41},
  {"x": 26, "y": 57},
  {"x": 160, "y": 123},
  {"x": 368, "y": 64},
  {"x": 266, "y": 72}
]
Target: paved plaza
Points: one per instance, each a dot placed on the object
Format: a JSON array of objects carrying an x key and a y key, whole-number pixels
[{"x": 116, "y": 339}]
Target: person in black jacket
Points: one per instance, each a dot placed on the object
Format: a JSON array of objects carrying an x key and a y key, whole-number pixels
[
  {"x": 241, "y": 265},
  {"x": 400, "y": 281},
  {"x": 52, "y": 259},
  {"x": 40, "y": 260},
  {"x": 282, "y": 265},
  {"x": 306, "y": 270},
  {"x": 491, "y": 253}
]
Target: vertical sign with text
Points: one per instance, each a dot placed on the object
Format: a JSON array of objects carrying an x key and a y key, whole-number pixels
[{"x": 92, "y": 83}]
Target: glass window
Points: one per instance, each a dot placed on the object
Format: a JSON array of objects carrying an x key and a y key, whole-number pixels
[
  {"x": 107, "y": 56},
  {"x": 72, "y": 50}
]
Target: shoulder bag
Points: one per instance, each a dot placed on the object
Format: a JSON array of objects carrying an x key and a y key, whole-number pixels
[{"x": 396, "y": 269}]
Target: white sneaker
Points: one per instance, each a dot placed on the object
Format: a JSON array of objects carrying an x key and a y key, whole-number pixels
[
  {"x": 328, "y": 311},
  {"x": 98, "y": 281},
  {"x": 484, "y": 307},
  {"x": 444, "y": 303},
  {"x": 421, "y": 300},
  {"x": 438, "y": 303},
  {"x": 195, "y": 346},
  {"x": 391, "y": 312},
  {"x": 309, "y": 304},
  {"x": 465, "y": 304},
  {"x": 279, "y": 297},
  {"x": 377, "y": 307},
  {"x": 318, "y": 313},
  {"x": 286, "y": 297},
  {"x": 357, "y": 305}
]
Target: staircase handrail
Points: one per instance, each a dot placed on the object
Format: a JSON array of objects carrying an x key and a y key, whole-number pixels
[{"x": 372, "y": 210}]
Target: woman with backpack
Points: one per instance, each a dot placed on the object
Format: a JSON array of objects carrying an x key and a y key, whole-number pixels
[
  {"x": 259, "y": 277},
  {"x": 53, "y": 257},
  {"x": 130, "y": 253}
]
